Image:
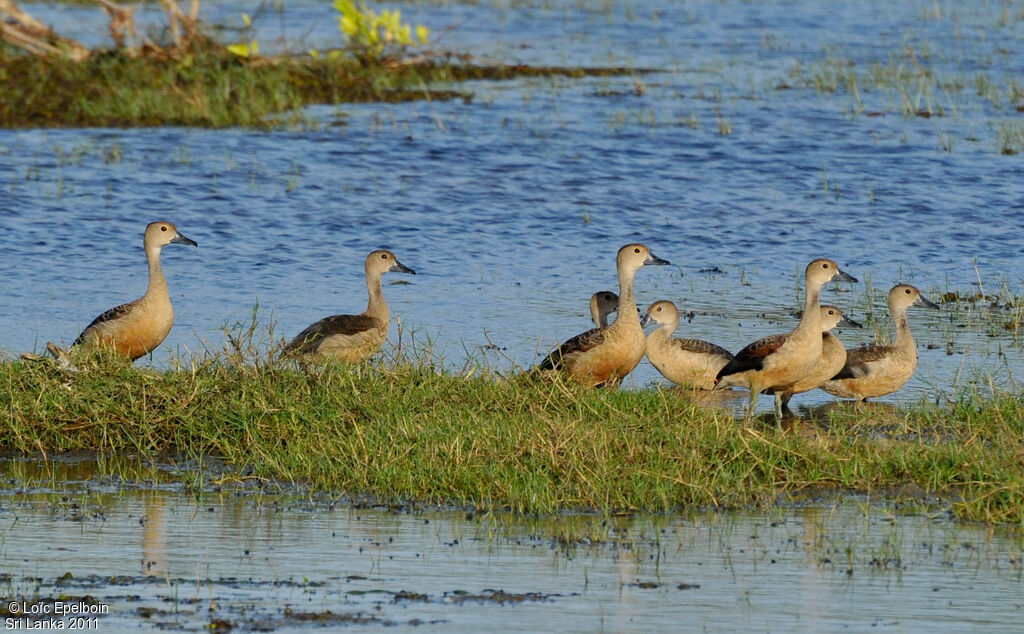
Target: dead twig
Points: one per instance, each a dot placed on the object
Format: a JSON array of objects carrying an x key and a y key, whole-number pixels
[
  {"x": 183, "y": 26},
  {"x": 27, "y": 33}
]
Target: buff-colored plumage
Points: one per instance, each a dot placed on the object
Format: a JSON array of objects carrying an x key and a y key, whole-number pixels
[
  {"x": 135, "y": 329},
  {"x": 353, "y": 338},
  {"x": 604, "y": 356},
  {"x": 878, "y": 370},
  {"x": 833, "y": 353},
  {"x": 776, "y": 363},
  {"x": 688, "y": 362}
]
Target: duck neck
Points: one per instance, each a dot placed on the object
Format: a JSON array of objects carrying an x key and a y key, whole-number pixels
[
  {"x": 903, "y": 336},
  {"x": 810, "y": 323},
  {"x": 157, "y": 282},
  {"x": 595, "y": 313},
  {"x": 627, "y": 303},
  {"x": 666, "y": 330},
  {"x": 376, "y": 307}
]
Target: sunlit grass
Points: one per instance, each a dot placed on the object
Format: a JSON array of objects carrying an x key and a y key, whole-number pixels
[
  {"x": 407, "y": 428},
  {"x": 209, "y": 87}
]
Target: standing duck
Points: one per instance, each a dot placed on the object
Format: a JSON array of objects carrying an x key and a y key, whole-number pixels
[
  {"x": 776, "y": 363},
  {"x": 688, "y": 362},
  {"x": 604, "y": 356},
  {"x": 833, "y": 354},
  {"x": 877, "y": 370},
  {"x": 137, "y": 328},
  {"x": 353, "y": 338}
]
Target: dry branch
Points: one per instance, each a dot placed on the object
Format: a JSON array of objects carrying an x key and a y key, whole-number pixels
[
  {"x": 178, "y": 20},
  {"x": 25, "y": 32},
  {"x": 29, "y": 34},
  {"x": 123, "y": 31}
]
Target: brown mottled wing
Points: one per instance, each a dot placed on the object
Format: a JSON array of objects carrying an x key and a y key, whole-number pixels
[
  {"x": 309, "y": 339},
  {"x": 114, "y": 313},
  {"x": 858, "y": 360},
  {"x": 701, "y": 347},
  {"x": 578, "y": 344},
  {"x": 752, "y": 356}
]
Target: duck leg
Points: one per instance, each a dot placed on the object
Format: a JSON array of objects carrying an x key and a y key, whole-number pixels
[
  {"x": 752, "y": 406},
  {"x": 778, "y": 406}
]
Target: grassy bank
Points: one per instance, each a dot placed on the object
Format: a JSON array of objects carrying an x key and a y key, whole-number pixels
[
  {"x": 408, "y": 432},
  {"x": 210, "y": 87}
]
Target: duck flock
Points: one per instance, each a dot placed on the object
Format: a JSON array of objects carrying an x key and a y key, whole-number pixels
[{"x": 805, "y": 358}]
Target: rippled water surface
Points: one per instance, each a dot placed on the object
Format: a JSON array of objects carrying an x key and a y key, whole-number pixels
[
  {"x": 765, "y": 134},
  {"x": 161, "y": 559},
  {"x": 739, "y": 159}
]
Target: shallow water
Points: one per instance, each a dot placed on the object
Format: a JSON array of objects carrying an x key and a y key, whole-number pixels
[
  {"x": 511, "y": 207},
  {"x": 159, "y": 558}
]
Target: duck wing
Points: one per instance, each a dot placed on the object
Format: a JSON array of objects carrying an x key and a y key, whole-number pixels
[
  {"x": 752, "y": 356},
  {"x": 113, "y": 314},
  {"x": 701, "y": 347},
  {"x": 346, "y": 325},
  {"x": 859, "y": 360},
  {"x": 575, "y": 346}
]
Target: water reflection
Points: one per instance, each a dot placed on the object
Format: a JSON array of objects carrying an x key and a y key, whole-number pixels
[
  {"x": 869, "y": 410},
  {"x": 243, "y": 558},
  {"x": 154, "y": 542}
]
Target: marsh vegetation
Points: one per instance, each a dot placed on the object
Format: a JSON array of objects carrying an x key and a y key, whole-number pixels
[
  {"x": 408, "y": 429},
  {"x": 202, "y": 487},
  {"x": 538, "y": 136},
  {"x": 185, "y": 75}
]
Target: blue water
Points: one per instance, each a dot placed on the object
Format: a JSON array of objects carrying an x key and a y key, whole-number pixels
[
  {"x": 511, "y": 208},
  {"x": 727, "y": 160}
]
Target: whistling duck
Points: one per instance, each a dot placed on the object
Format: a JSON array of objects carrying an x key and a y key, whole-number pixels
[
  {"x": 137, "y": 328},
  {"x": 833, "y": 354},
  {"x": 777, "y": 362},
  {"x": 602, "y": 304},
  {"x": 690, "y": 362},
  {"x": 353, "y": 338},
  {"x": 877, "y": 370},
  {"x": 603, "y": 356}
]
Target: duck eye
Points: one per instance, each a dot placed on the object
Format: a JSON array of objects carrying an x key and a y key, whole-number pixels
[
  {"x": 383, "y": 256},
  {"x": 908, "y": 291},
  {"x": 636, "y": 250},
  {"x": 163, "y": 228},
  {"x": 825, "y": 265}
]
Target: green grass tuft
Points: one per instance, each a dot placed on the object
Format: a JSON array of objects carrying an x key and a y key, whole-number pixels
[
  {"x": 209, "y": 87},
  {"x": 408, "y": 430}
]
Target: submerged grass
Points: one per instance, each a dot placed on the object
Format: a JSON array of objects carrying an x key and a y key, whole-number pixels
[
  {"x": 406, "y": 430},
  {"x": 209, "y": 87}
]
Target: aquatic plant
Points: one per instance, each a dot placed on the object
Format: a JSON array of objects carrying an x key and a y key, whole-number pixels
[
  {"x": 372, "y": 34},
  {"x": 209, "y": 87},
  {"x": 1010, "y": 137},
  {"x": 249, "y": 48},
  {"x": 190, "y": 78}
]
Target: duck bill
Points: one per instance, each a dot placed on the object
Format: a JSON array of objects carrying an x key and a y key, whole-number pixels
[
  {"x": 924, "y": 302},
  {"x": 398, "y": 267},
  {"x": 180, "y": 239},
  {"x": 646, "y": 319},
  {"x": 849, "y": 322},
  {"x": 846, "y": 277},
  {"x": 653, "y": 259}
]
